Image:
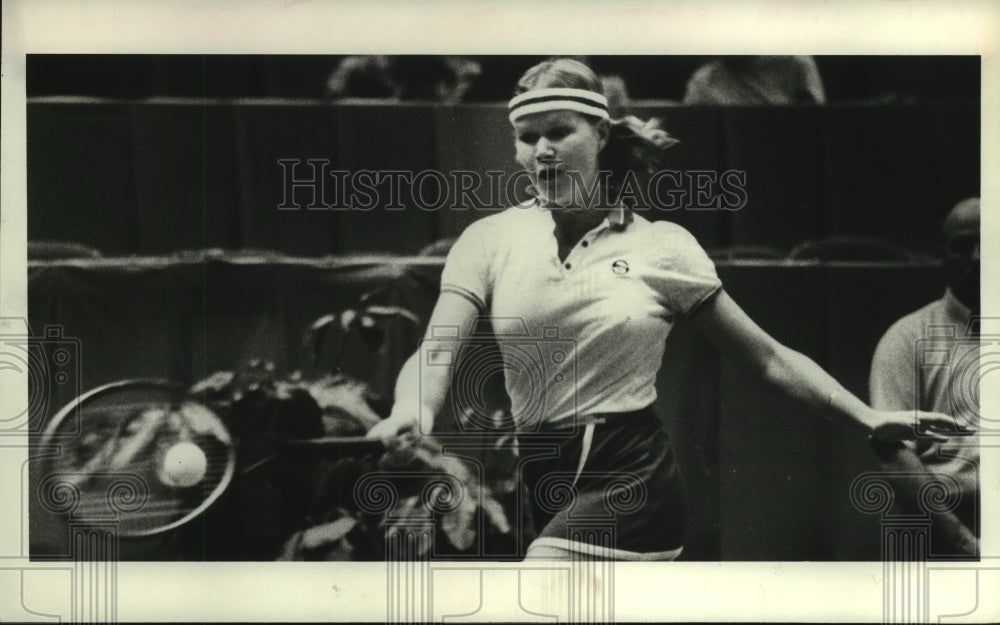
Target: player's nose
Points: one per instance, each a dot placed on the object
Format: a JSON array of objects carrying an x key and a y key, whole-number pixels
[{"x": 544, "y": 149}]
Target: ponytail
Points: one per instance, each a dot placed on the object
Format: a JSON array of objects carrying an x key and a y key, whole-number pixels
[{"x": 634, "y": 146}]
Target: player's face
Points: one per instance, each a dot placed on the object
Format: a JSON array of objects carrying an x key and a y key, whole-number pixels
[{"x": 559, "y": 149}]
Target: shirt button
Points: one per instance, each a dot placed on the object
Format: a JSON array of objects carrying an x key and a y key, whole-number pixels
[
  {"x": 568, "y": 266},
  {"x": 585, "y": 244}
]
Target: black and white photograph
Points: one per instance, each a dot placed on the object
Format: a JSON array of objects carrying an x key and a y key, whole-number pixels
[{"x": 381, "y": 329}]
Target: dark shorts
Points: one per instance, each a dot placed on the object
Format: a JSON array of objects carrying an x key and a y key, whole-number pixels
[{"x": 627, "y": 503}]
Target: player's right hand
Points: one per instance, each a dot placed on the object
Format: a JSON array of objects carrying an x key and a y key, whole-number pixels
[{"x": 390, "y": 427}]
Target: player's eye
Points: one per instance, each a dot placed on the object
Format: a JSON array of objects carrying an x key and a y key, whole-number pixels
[
  {"x": 528, "y": 137},
  {"x": 559, "y": 132}
]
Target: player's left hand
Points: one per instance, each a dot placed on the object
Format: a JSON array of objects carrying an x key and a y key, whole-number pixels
[{"x": 900, "y": 425}]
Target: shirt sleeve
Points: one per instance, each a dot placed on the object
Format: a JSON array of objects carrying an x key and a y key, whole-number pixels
[
  {"x": 466, "y": 269},
  {"x": 684, "y": 274}
]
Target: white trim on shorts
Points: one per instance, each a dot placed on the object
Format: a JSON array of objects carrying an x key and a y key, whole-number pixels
[{"x": 604, "y": 553}]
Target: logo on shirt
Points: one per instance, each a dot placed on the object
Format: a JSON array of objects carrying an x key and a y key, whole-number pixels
[{"x": 620, "y": 267}]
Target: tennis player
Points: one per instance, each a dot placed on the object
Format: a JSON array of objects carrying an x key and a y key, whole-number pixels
[{"x": 575, "y": 267}]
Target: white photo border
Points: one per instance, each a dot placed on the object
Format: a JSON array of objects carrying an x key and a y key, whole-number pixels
[{"x": 797, "y": 591}]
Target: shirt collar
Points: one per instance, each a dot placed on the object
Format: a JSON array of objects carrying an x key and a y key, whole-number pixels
[
  {"x": 618, "y": 217},
  {"x": 956, "y": 308}
]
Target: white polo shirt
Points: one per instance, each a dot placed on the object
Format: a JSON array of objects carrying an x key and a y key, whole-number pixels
[{"x": 585, "y": 335}]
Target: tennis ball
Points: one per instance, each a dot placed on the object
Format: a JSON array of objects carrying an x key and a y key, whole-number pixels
[{"x": 184, "y": 465}]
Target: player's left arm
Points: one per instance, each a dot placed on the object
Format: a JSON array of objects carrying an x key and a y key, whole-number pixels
[{"x": 800, "y": 378}]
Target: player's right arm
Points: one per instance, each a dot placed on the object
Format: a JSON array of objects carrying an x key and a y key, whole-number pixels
[{"x": 425, "y": 378}]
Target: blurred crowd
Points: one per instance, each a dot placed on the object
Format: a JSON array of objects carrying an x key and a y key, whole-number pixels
[
  {"x": 444, "y": 79},
  {"x": 733, "y": 80}
]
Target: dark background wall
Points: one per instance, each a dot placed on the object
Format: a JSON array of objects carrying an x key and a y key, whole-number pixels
[
  {"x": 151, "y": 178},
  {"x": 150, "y": 154}
]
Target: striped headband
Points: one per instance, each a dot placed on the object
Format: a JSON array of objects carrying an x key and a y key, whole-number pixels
[{"x": 558, "y": 99}]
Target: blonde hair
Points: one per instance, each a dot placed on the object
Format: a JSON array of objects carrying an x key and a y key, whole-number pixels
[{"x": 634, "y": 145}]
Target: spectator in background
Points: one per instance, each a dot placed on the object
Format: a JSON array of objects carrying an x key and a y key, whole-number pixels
[
  {"x": 360, "y": 77},
  {"x": 902, "y": 380},
  {"x": 755, "y": 80},
  {"x": 431, "y": 78}
]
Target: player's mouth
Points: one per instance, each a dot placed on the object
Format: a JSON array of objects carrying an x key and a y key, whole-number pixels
[{"x": 548, "y": 171}]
